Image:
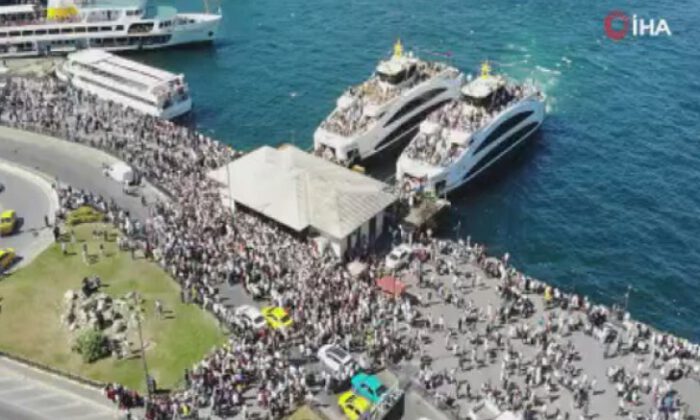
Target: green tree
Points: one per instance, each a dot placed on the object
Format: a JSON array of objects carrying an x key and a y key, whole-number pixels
[{"x": 92, "y": 345}]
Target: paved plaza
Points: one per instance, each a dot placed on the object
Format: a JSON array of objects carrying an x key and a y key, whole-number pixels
[{"x": 28, "y": 394}]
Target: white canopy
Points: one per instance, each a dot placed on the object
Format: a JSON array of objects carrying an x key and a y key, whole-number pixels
[
  {"x": 300, "y": 190},
  {"x": 482, "y": 87}
]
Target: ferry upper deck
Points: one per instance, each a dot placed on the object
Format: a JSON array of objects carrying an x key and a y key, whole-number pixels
[{"x": 146, "y": 88}]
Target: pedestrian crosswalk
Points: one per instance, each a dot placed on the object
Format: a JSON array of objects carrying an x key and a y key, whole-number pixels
[{"x": 27, "y": 398}]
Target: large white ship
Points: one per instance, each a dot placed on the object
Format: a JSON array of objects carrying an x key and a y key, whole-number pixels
[
  {"x": 68, "y": 25},
  {"x": 144, "y": 88},
  {"x": 461, "y": 139},
  {"x": 386, "y": 109}
]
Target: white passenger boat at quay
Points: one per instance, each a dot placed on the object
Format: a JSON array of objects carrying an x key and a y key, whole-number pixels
[
  {"x": 386, "y": 109},
  {"x": 65, "y": 26},
  {"x": 464, "y": 137},
  {"x": 144, "y": 88}
]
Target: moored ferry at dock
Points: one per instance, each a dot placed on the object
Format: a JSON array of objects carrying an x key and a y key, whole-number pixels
[
  {"x": 461, "y": 139},
  {"x": 65, "y": 26},
  {"x": 135, "y": 85},
  {"x": 386, "y": 109}
]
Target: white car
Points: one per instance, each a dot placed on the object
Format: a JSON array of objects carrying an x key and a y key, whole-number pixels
[
  {"x": 250, "y": 317},
  {"x": 336, "y": 359},
  {"x": 398, "y": 257}
]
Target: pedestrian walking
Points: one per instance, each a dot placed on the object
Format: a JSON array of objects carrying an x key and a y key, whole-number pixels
[{"x": 85, "y": 254}]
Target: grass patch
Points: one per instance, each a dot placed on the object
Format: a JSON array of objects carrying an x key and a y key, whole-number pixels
[{"x": 32, "y": 305}]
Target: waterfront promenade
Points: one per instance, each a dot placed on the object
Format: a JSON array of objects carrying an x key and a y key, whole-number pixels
[{"x": 510, "y": 349}]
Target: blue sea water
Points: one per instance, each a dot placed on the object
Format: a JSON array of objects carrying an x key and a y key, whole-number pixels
[{"x": 604, "y": 197}]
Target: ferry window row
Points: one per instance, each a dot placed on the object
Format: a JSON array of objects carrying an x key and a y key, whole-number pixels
[
  {"x": 133, "y": 40},
  {"x": 117, "y": 91},
  {"x": 55, "y": 31}
]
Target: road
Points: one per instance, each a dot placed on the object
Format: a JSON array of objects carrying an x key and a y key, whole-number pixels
[
  {"x": 32, "y": 197},
  {"x": 28, "y": 394},
  {"x": 77, "y": 165}
]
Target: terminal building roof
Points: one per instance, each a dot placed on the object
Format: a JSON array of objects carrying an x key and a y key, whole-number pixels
[{"x": 300, "y": 190}]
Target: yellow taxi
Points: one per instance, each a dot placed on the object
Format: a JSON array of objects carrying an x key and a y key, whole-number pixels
[
  {"x": 8, "y": 222},
  {"x": 277, "y": 317},
  {"x": 7, "y": 257},
  {"x": 353, "y": 406}
]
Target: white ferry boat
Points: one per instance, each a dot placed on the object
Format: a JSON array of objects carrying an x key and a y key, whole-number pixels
[
  {"x": 464, "y": 137},
  {"x": 386, "y": 109},
  {"x": 69, "y": 25},
  {"x": 144, "y": 88}
]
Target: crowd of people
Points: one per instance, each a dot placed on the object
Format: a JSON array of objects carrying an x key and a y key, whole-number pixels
[
  {"x": 527, "y": 379},
  {"x": 196, "y": 240},
  {"x": 459, "y": 118}
]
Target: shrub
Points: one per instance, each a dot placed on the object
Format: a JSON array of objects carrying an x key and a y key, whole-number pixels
[
  {"x": 92, "y": 345},
  {"x": 84, "y": 214}
]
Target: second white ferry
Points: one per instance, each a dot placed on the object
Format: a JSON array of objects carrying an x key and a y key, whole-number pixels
[
  {"x": 116, "y": 25},
  {"x": 463, "y": 138},
  {"x": 144, "y": 88},
  {"x": 386, "y": 109}
]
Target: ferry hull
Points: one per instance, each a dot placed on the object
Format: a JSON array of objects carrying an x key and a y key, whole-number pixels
[
  {"x": 203, "y": 29},
  {"x": 472, "y": 165}
]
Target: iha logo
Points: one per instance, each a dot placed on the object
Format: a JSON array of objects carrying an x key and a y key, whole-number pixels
[{"x": 617, "y": 26}]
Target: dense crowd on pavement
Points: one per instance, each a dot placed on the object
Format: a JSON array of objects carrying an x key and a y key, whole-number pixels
[{"x": 195, "y": 239}]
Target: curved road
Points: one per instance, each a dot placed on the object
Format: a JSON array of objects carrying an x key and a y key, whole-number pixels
[
  {"x": 32, "y": 197},
  {"x": 71, "y": 163}
]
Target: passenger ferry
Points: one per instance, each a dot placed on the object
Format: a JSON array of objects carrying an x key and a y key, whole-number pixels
[
  {"x": 386, "y": 109},
  {"x": 135, "y": 85},
  {"x": 69, "y": 25},
  {"x": 464, "y": 137}
]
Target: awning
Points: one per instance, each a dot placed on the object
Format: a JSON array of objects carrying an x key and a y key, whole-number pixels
[{"x": 391, "y": 285}]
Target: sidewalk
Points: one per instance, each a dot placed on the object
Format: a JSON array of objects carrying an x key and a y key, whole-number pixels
[{"x": 34, "y": 394}]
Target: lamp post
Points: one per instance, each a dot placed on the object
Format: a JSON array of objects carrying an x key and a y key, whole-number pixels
[
  {"x": 627, "y": 297},
  {"x": 139, "y": 309},
  {"x": 230, "y": 194}
]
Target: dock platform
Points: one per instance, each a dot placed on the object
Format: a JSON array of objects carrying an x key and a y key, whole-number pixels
[{"x": 425, "y": 213}]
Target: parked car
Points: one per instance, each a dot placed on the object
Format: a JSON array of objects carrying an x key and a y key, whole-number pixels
[
  {"x": 250, "y": 317},
  {"x": 7, "y": 257},
  {"x": 398, "y": 257},
  {"x": 353, "y": 406},
  {"x": 368, "y": 386},
  {"x": 336, "y": 359},
  {"x": 8, "y": 222},
  {"x": 277, "y": 317}
]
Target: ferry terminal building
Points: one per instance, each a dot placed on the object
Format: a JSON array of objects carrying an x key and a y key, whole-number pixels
[{"x": 316, "y": 199}]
